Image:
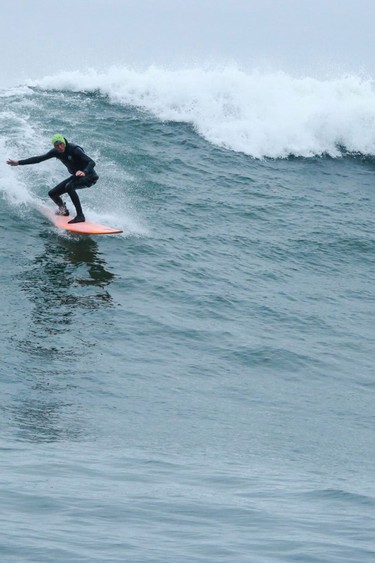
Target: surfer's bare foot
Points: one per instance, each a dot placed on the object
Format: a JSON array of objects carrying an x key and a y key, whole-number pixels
[{"x": 78, "y": 219}]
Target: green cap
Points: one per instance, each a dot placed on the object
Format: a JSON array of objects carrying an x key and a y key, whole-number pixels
[{"x": 58, "y": 139}]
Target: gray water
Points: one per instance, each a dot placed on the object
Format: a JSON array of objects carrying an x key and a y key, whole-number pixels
[{"x": 200, "y": 388}]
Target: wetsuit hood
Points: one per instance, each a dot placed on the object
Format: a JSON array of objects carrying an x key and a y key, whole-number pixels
[{"x": 57, "y": 138}]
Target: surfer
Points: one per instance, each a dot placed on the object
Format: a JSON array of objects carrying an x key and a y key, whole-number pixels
[{"x": 80, "y": 166}]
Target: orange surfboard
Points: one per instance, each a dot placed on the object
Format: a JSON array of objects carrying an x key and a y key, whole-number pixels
[{"x": 86, "y": 228}]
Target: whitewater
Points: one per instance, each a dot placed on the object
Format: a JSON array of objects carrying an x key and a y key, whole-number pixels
[{"x": 274, "y": 115}]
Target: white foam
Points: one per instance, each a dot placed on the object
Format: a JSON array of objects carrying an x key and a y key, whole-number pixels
[
  {"x": 260, "y": 114},
  {"x": 123, "y": 219},
  {"x": 12, "y": 187}
]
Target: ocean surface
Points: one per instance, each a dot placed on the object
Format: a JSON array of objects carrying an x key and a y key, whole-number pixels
[{"x": 199, "y": 389}]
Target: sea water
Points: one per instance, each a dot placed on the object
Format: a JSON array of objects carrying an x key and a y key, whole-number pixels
[{"x": 201, "y": 387}]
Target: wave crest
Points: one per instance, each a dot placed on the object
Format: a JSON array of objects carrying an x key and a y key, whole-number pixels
[{"x": 260, "y": 114}]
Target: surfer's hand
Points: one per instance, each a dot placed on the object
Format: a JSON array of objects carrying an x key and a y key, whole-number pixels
[
  {"x": 12, "y": 162},
  {"x": 80, "y": 173}
]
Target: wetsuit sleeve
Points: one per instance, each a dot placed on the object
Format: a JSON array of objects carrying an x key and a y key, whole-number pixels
[
  {"x": 36, "y": 159},
  {"x": 89, "y": 162}
]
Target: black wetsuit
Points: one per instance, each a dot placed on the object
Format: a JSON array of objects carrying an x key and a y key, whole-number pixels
[{"x": 74, "y": 158}]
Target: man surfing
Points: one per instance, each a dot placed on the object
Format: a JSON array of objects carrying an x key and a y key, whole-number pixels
[{"x": 80, "y": 166}]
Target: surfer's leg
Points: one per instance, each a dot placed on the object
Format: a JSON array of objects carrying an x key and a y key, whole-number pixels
[
  {"x": 56, "y": 193},
  {"x": 71, "y": 190},
  {"x": 74, "y": 184}
]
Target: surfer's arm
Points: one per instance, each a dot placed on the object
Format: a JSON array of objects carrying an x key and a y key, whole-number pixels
[{"x": 37, "y": 159}]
